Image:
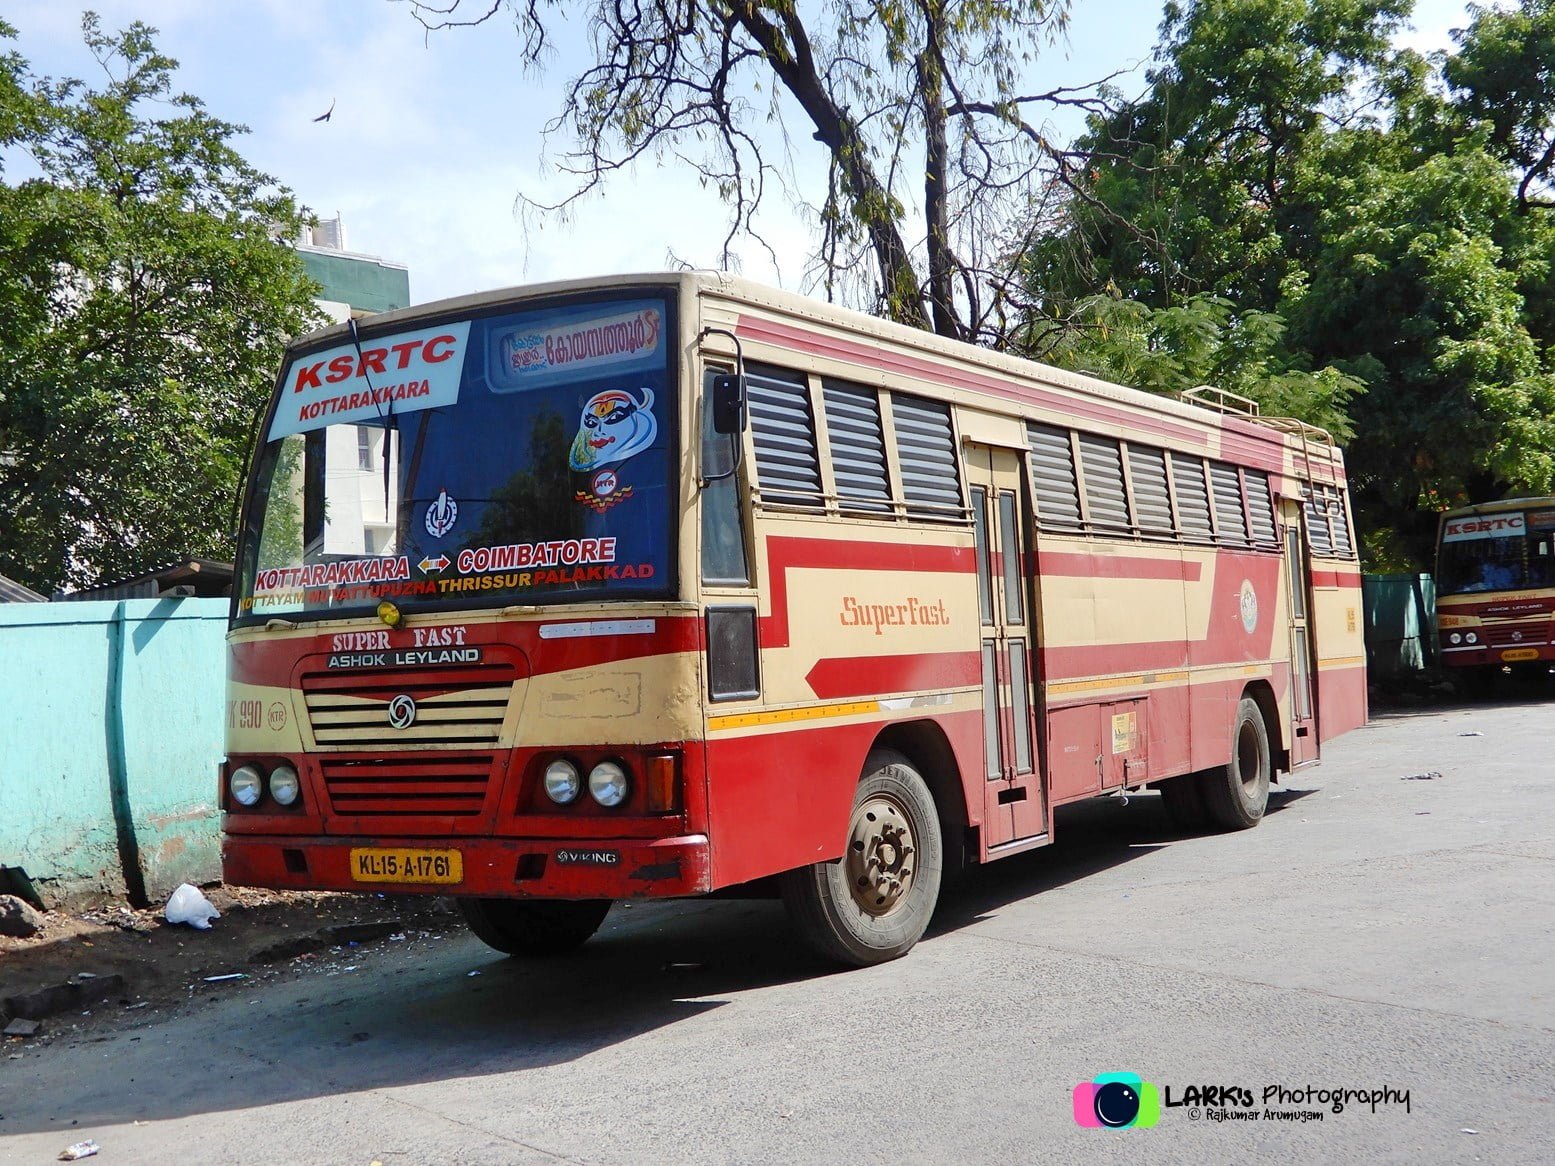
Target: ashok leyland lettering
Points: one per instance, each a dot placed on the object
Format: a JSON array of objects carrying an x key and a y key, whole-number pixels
[{"x": 651, "y": 587}]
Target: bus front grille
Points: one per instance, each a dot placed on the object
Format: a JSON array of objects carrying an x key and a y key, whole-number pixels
[
  {"x": 459, "y": 708},
  {"x": 447, "y": 786}
]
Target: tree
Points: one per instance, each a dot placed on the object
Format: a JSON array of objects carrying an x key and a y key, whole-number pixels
[
  {"x": 894, "y": 91},
  {"x": 1503, "y": 74},
  {"x": 145, "y": 297},
  {"x": 1344, "y": 197}
]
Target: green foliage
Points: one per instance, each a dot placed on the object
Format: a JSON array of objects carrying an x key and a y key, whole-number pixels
[
  {"x": 1203, "y": 341},
  {"x": 145, "y": 297},
  {"x": 1299, "y": 213}
]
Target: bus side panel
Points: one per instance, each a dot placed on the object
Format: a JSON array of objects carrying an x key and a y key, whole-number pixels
[
  {"x": 781, "y": 798},
  {"x": 1112, "y": 627},
  {"x": 1236, "y": 626},
  {"x": 1341, "y": 648}
]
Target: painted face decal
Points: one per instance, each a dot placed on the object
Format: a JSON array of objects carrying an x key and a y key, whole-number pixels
[{"x": 614, "y": 426}]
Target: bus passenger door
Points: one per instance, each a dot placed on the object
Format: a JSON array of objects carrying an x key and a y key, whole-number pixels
[
  {"x": 1014, "y": 806},
  {"x": 1298, "y": 580}
]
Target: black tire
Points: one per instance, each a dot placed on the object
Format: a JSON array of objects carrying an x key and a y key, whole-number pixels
[
  {"x": 1237, "y": 793},
  {"x": 874, "y": 903},
  {"x": 1183, "y": 799},
  {"x": 534, "y": 927}
]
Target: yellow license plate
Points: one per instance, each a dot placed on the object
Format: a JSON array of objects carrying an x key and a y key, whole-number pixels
[
  {"x": 1520, "y": 654},
  {"x": 397, "y": 864}
]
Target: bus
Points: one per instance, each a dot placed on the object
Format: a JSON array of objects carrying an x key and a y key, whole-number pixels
[
  {"x": 666, "y": 585},
  {"x": 1495, "y": 589}
]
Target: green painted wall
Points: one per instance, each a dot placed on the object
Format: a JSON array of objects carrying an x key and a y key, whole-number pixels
[
  {"x": 114, "y": 733},
  {"x": 366, "y": 284}
]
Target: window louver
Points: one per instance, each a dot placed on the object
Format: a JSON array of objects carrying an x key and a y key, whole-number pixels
[
  {"x": 1317, "y": 526},
  {"x": 1327, "y": 519},
  {"x": 1152, "y": 503},
  {"x": 1104, "y": 495},
  {"x": 1192, "y": 499},
  {"x": 1231, "y": 525},
  {"x": 926, "y": 451},
  {"x": 788, "y": 470},
  {"x": 1052, "y": 467},
  {"x": 857, "y": 447},
  {"x": 1260, "y": 510}
]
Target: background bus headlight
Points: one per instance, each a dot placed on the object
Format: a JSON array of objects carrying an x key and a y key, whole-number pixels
[
  {"x": 608, "y": 784},
  {"x": 563, "y": 783},
  {"x": 246, "y": 784},
  {"x": 284, "y": 785},
  {"x": 1472, "y": 638},
  {"x": 1455, "y": 638}
]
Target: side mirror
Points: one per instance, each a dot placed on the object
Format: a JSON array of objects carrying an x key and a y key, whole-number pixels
[{"x": 730, "y": 410}]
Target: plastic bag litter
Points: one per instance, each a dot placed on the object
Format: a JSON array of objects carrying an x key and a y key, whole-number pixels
[
  {"x": 187, "y": 905},
  {"x": 80, "y": 1150}
]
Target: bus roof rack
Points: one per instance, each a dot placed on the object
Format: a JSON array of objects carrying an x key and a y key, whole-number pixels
[
  {"x": 1220, "y": 400},
  {"x": 1225, "y": 401}
]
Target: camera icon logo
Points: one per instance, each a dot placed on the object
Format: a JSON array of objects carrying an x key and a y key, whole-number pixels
[{"x": 1118, "y": 1101}]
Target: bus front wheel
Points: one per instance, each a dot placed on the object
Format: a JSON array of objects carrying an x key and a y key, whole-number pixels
[
  {"x": 534, "y": 927},
  {"x": 1237, "y": 793},
  {"x": 873, "y": 903}
]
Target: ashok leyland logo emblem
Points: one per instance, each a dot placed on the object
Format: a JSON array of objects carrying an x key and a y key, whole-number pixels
[{"x": 402, "y": 712}]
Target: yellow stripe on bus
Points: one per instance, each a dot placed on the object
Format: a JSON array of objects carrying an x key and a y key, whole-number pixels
[
  {"x": 1118, "y": 681},
  {"x": 1341, "y": 661},
  {"x": 788, "y": 716}
]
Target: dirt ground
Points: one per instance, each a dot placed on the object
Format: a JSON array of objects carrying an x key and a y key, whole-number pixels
[{"x": 261, "y": 935}]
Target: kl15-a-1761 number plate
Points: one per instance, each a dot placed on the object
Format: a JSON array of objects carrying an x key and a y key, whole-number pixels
[{"x": 396, "y": 864}]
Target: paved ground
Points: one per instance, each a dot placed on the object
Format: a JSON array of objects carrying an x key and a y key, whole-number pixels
[{"x": 1372, "y": 932}]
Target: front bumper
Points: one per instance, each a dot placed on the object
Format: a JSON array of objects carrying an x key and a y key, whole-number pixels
[{"x": 607, "y": 868}]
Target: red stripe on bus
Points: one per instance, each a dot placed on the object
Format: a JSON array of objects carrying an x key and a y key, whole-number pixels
[
  {"x": 785, "y": 554},
  {"x": 869, "y": 675},
  {"x": 1336, "y": 578},
  {"x": 1082, "y": 566}
]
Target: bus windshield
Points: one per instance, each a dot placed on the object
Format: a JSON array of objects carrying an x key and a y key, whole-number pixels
[
  {"x": 1496, "y": 552},
  {"x": 516, "y": 458}
]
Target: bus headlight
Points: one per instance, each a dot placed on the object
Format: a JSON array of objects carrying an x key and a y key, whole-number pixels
[
  {"x": 608, "y": 784},
  {"x": 1455, "y": 638},
  {"x": 284, "y": 785},
  {"x": 246, "y": 784},
  {"x": 1471, "y": 638},
  {"x": 563, "y": 783}
]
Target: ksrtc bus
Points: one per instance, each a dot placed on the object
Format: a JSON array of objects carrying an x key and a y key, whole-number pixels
[
  {"x": 1495, "y": 588},
  {"x": 664, "y": 585}
]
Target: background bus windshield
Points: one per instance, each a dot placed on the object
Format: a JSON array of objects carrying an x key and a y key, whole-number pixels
[
  {"x": 1499, "y": 552},
  {"x": 522, "y": 458}
]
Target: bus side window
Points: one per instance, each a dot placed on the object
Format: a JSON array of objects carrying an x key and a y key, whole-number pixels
[{"x": 723, "y": 532}]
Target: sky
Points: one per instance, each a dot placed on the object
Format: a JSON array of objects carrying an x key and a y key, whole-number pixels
[{"x": 433, "y": 136}]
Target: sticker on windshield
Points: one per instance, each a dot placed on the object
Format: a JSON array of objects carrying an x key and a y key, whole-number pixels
[
  {"x": 580, "y": 347},
  {"x": 441, "y": 515},
  {"x": 400, "y": 373},
  {"x": 614, "y": 426}
]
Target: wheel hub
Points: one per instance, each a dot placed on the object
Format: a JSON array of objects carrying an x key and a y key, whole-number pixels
[{"x": 881, "y": 846}]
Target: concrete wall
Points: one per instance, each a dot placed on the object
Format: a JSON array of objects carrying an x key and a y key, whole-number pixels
[{"x": 113, "y": 731}]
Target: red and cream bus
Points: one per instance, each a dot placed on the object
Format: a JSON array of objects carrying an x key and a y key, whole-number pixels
[
  {"x": 1495, "y": 588},
  {"x": 660, "y": 585}
]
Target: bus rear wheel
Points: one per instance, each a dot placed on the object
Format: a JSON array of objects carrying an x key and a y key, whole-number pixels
[
  {"x": 534, "y": 927},
  {"x": 875, "y": 902},
  {"x": 1237, "y": 793}
]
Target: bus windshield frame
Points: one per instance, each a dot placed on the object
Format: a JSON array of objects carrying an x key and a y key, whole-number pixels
[
  {"x": 523, "y": 453},
  {"x": 1512, "y": 550}
]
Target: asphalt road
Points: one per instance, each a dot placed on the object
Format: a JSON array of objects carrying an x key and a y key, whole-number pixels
[{"x": 1373, "y": 932}]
